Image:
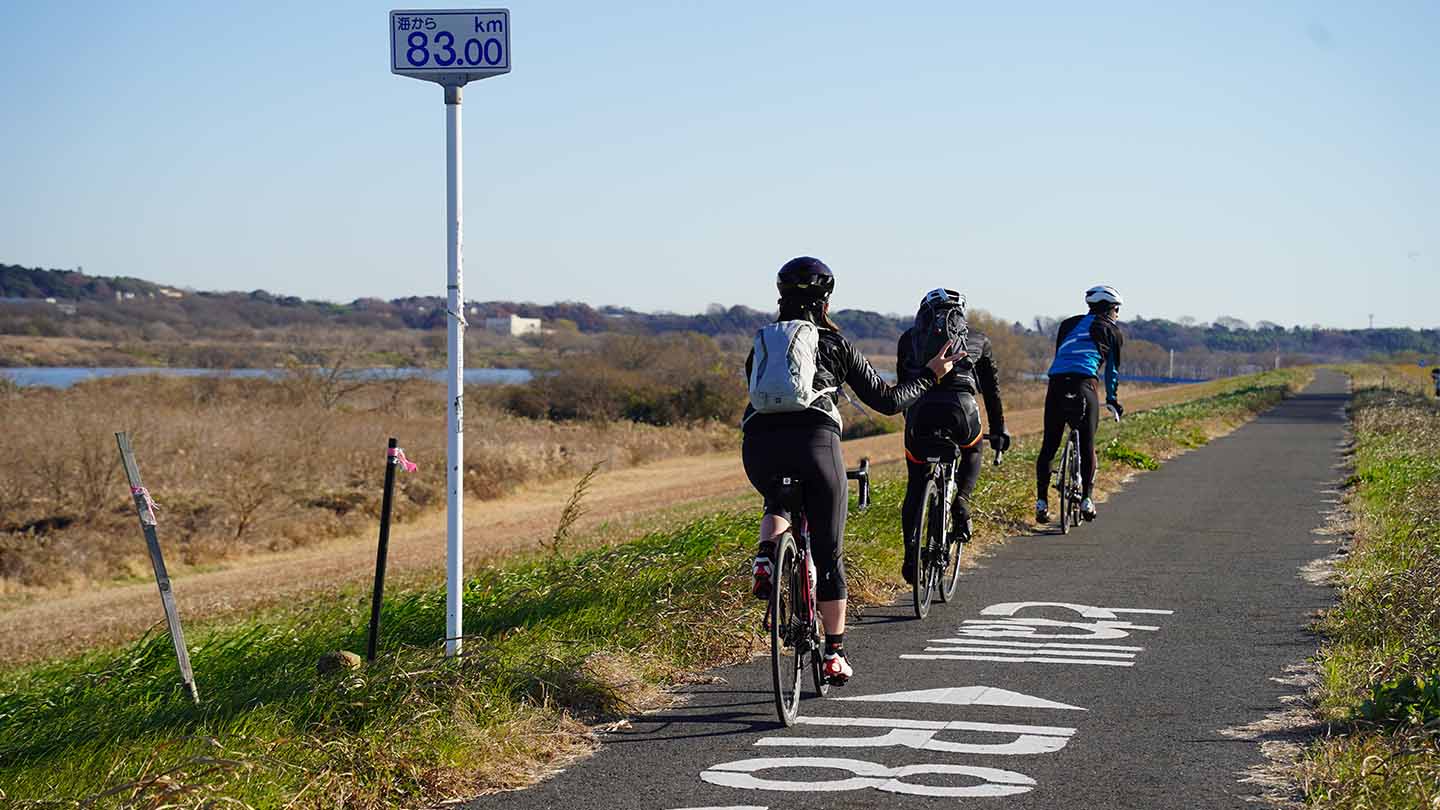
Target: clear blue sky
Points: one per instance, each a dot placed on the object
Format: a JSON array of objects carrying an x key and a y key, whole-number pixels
[{"x": 1272, "y": 160}]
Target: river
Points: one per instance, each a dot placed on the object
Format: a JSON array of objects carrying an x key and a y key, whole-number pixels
[{"x": 66, "y": 376}]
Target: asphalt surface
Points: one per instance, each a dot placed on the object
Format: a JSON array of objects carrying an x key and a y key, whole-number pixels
[{"x": 1185, "y": 601}]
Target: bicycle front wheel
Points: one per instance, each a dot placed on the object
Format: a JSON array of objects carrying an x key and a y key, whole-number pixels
[
  {"x": 947, "y": 571},
  {"x": 921, "y": 575},
  {"x": 787, "y": 632}
]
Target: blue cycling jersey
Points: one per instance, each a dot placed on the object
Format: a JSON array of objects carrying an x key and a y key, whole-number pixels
[
  {"x": 1077, "y": 352},
  {"x": 1083, "y": 344}
]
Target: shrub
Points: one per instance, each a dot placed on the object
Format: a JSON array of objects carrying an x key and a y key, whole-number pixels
[{"x": 665, "y": 380}]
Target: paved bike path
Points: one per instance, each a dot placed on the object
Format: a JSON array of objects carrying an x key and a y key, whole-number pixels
[{"x": 1182, "y": 603}]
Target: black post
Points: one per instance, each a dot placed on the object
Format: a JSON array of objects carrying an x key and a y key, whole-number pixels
[{"x": 390, "y": 462}]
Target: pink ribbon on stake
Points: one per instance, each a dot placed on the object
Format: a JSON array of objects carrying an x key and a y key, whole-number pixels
[
  {"x": 151, "y": 507},
  {"x": 398, "y": 453}
]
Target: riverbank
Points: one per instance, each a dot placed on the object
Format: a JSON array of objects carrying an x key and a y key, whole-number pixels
[
  {"x": 254, "y": 466},
  {"x": 554, "y": 642}
]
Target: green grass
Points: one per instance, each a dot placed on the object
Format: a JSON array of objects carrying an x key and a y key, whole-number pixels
[
  {"x": 552, "y": 643},
  {"x": 1380, "y": 664}
]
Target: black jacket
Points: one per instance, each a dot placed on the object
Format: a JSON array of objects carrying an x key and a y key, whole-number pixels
[
  {"x": 977, "y": 374},
  {"x": 840, "y": 363}
]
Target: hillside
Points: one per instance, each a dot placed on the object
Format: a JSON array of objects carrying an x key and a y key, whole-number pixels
[{"x": 121, "y": 309}]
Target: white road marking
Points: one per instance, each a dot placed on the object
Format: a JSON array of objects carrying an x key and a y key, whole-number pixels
[
  {"x": 1034, "y": 659},
  {"x": 1041, "y": 650},
  {"x": 936, "y": 725},
  {"x": 920, "y": 735},
  {"x": 1088, "y": 611},
  {"x": 1048, "y": 645},
  {"x": 1029, "y": 628},
  {"x": 966, "y": 696},
  {"x": 993, "y": 781}
]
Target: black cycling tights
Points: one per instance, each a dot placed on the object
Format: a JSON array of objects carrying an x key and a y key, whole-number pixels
[
  {"x": 1060, "y": 412},
  {"x": 813, "y": 456},
  {"x": 967, "y": 472}
]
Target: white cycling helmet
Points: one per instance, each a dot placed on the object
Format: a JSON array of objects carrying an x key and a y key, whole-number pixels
[
  {"x": 943, "y": 296},
  {"x": 1103, "y": 294}
]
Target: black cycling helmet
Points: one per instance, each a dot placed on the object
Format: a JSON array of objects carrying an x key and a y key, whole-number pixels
[{"x": 805, "y": 277}]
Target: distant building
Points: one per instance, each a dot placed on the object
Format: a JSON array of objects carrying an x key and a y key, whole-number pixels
[
  {"x": 65, "y": 308},
  {"x": 169, "y": 293},
  {"x": 513, "y": 325}
]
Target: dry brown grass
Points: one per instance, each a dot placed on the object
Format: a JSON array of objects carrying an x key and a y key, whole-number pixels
[{"x": 245, "y": 466}]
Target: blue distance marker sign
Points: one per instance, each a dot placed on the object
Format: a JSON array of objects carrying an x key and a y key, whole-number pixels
[{"x": 451, "y": 46}]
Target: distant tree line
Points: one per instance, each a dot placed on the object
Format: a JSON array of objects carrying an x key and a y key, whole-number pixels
[{"x": 143, "y": 308}]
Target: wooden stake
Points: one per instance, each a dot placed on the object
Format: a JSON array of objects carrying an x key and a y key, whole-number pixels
[{"x": 144, "y": 506}]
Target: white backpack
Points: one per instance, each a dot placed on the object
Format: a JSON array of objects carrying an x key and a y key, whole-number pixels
[{"x": 782, "y": 373}]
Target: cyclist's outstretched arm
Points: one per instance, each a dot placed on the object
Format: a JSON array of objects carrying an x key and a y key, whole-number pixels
[{"x": 867, "y": 383}]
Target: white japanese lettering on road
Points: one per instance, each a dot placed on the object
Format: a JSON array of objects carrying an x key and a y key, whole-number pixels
[
  {"x": 920, "y": 735},
  {"x": 1033, "y": 645},
  {"x": 1030, "y": 628},
  {"x": 868, "y": 775},
  {"x": 728, "y": 807},
  {"x": 1088, "y": 611},
  {"x": 1017, "y": 659},
  {"x": 1025, "y": 652},
  {"x": 1002, "y": 636},
  {"x": 966, "y": 696}
]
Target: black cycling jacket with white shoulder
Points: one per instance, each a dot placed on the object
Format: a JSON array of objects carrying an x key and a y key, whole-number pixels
[{"x": 840, "y": 363}]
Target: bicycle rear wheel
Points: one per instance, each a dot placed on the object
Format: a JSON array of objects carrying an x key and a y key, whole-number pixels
[
  {"x": 1077, "y": 490},
  {"x": 922, "y": 574},
  {"x": 787, "y": 655},
  {"x": 1062, "y": 484}
]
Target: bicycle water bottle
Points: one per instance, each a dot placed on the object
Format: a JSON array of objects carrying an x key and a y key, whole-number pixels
[{"x": 810, "y": 572}]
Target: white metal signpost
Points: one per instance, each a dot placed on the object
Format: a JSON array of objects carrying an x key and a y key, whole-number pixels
[{"x": 452, "y": 48}]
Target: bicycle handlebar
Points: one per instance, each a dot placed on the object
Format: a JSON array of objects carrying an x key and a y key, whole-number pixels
[
  {"x": 862, "y": 474},
  {"x": 999, "y": 454}
]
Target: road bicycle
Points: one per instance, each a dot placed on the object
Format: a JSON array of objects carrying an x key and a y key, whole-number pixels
[
  {"x": 1068, "y": 482},
  {"x": 792, "y": 615},
  {"x": 937, "y": 559}
]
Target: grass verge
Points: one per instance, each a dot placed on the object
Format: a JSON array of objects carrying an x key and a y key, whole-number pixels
[
  {"x": 555, "y": 645},
  {"x": 1380, "y": 665}
]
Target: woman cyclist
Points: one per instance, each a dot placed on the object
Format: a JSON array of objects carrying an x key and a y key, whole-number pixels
[{"x": 805, "y": 443}]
